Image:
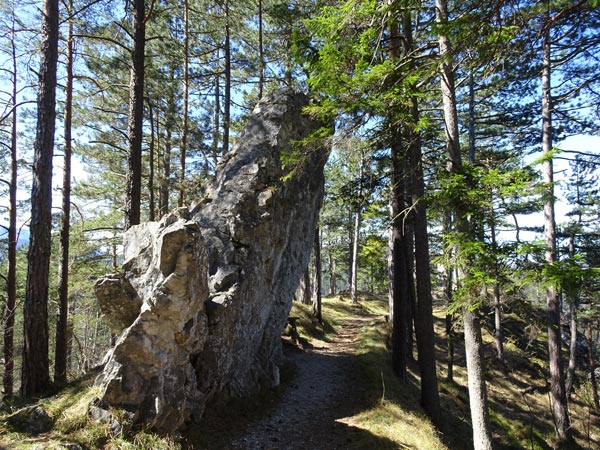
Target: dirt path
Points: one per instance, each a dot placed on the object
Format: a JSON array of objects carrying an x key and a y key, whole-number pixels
[{"x": 313, "y": 408}]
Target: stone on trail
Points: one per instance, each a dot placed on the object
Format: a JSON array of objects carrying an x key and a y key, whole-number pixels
[{"x": 205, "y": 293}]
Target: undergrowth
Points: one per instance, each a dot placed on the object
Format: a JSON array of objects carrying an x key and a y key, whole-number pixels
[{"x": 520, "y": 417}]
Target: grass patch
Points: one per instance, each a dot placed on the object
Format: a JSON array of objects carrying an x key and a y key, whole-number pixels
[
  {"x": 394, "y": 413},
  {"x": 71, "y": 424}
]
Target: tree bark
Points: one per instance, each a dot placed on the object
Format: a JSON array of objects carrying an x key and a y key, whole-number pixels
[
  {"x": 572, "y": 298},
  {"x": 227, "y": 87},
  {"x": 497, "y": 301},
  {"x": 356, "y": 238},
  {"x": 557, "y": 383},
  {"x": 165, "y": 178},
  {"x": 449, "y": 295},
  {"x": 62, "y": 322},
  {"x": 216, "y": 114},
  {"x": 332, "y": 276},
  {"x": 151, "y": 201},
  {"x": 317, "y": 285},
  {"x": 136, "y": 117},
  {"x": 476, "y": 380},
  {"x": 424, "y": 306},
  {"x": 399, "y": 295},
  {"x": 482, "y": 438},
  {"x": 35, "y": 376},
  {"x": 305, "y": 291},
  {"x": 261, "y": 51},
  {"x": 186, "y": 95},
  {"x": 11, "y": 276},
  {"x": 592, "y": 364}
]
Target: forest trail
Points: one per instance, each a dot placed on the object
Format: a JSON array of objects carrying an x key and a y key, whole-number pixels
[{"x": 315, "y": 406}]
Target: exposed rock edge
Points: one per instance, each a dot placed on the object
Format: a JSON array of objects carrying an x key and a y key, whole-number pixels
[{"x": 204, "y": 294}]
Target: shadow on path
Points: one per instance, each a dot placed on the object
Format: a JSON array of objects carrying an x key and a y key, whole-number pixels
[{"x": 307, "y": 413}]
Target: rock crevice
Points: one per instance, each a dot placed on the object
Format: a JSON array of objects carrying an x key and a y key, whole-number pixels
[{"x": 204, "y": 294}]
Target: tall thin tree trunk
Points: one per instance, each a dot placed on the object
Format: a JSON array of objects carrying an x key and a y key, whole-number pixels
[
  {"x": 186, "y": 95},
  {"x": 317, "y": 285},
  {"x": 557, "y": 383},
  {"x": 572, "y": 298},
  {"x": 332, "y": 275},
  {"x": 350, "y": 245},
  {"x": 261, "y": 51},
  {"x": 151, "y": 202},
  {"x": 482, "y": 439},
  {"x": 424, "y": 308},
  {"x": 11, "y": 276},
  {"x": 165, "y": 179},
  {"x": 592, "y": 364},
  {"x": 35, "y": 376},
  {"x": 399, "y": 297},
  {"x": 62, "y": 322},
  {"x": 476, "y": 379},
  {"x": 227, "y": 87},
  {"x": 216, "y": 114},
  {"x": 135, "y": 118},
  {"x": 449, "y": 296},
  {"x": 356, "y": 238},
  {"x": 305, "y": 290},
  {"x": 497, "y": 300}
]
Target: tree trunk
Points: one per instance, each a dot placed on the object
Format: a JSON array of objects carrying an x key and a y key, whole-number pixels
[
  {"x": 317, "y": 285},
  {"x": 11, "y": 276},
  {"x": 497, "y": 301},
  {"x": 261, "y": 51},
  {"x": 332, "y": 276},
  {"x": 62, "y": 322},
  {"x": 227, "y": 69},
  {"x": 572, "y": 348},
  {"x": 476, "y": 380},
  {"x": 477, "y": 390},
  {"x": 151, "y": 205},
  {"x": 216, "y": 114},
  {"x": 35, "y": 376},
  {"x": 305, "y": 291},
  {"x": 557, "y": 383},
  {"x": 449, "y": 295},
  {"x": 350, "y": 246},
  {"x": 356, "y": 238},
  {"x": 399, "y": 296},
  {"x": 355, "y": 250},
  {"x": 136, "y": 118},
  {"x": 186, "y": 95},
  {"x": 592, "y": 365},
  {"x": 424, "y": 306}
]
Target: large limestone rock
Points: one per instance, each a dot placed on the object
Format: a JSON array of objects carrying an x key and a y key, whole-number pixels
[{"x": 204, "y": 294}]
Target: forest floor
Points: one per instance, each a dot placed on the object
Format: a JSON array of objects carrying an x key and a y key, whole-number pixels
[
  {"x": 322, "y": 389},
  {"x": 325, "y": 397},
  {"x": 338, "y": 392}
]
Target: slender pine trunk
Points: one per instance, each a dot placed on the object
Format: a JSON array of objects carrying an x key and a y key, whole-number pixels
[
  {"x": 557, "y": 382},
  {"x": 136, "y": 117},
  {"x": 62, "y": 322},
  {"x": 35, "y": 376},
  {"x": 186, "y": 95},
  {"x": 482, "y": 438},
  {"x": 11, "y": 276}
]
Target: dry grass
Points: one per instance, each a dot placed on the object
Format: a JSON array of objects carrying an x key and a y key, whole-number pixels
[
  {"x": 68, "y": 411},
  {"x": 392, "y": 412}
]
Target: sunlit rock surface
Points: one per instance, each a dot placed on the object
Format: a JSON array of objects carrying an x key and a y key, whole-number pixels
[{"x": 204, "y": 294}]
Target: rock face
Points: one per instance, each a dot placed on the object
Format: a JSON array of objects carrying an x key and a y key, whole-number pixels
[{"x": 204, "y": 294}]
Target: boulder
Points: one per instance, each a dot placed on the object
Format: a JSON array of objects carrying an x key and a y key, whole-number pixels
[
  {"x": 204, "y": 294},
  {"x": 32, "y": 419}
]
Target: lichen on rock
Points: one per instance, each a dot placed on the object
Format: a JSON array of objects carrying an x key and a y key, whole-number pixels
[{"x": 204, "y": 295}]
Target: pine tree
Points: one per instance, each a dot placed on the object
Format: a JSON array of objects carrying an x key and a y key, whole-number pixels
[{"x": 35, "y": 377}]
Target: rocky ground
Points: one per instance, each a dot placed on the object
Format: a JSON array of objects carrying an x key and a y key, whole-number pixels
[{"x": 314, "y": 407}]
